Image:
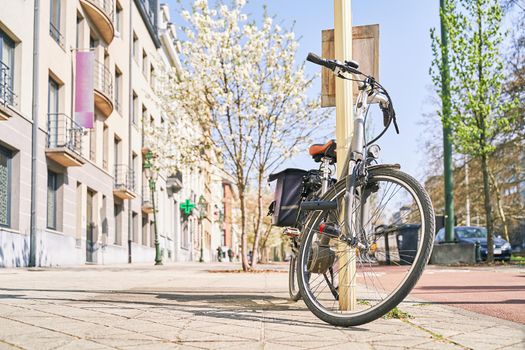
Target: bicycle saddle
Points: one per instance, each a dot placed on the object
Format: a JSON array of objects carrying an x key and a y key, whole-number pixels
[{"x": 328, "y": 150}]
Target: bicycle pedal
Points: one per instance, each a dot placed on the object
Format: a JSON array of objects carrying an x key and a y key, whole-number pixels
[{"x": 291, "y": 232}]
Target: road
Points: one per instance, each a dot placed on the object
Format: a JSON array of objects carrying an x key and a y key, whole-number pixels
[{"x": 495, "y": 291}]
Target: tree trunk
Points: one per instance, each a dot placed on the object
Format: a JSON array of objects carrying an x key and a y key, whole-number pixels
[
  {"x": 244, "y": 243},
  {"x": 488, "y": 209},
  {"x": 499, "y": 204},
  {"x": 263, "y": 247},
  {"x": 255, "y": 248}
]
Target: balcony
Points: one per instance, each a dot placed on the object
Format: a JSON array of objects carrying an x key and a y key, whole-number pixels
[
  {"x": 124, "y": 187},
  {"x": 7, "y": 95},
  {"x": 103, "y": 84},
  {"x": 101, "y": 14},
  {"x": 147, "y": 203},
  {"x": 64, "y": 140}
]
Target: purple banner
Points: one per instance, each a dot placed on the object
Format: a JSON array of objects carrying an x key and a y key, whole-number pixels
[{"x": 84, "y": 100}]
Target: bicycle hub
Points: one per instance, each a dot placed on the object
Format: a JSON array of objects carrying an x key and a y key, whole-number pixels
[{"x": 330, "y": 230}]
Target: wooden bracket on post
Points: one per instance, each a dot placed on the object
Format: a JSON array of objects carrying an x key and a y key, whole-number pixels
[{"x": 365, "y": 51}]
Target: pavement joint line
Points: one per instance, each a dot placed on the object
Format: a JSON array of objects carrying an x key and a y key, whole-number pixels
[
  {"x": 508, "y": 346},
  {"x": 42, "y": 327},
  {"x": 84, "y": 321},
  {"x": 434, "y": 335},
  {"x": 11, "y": 344}
]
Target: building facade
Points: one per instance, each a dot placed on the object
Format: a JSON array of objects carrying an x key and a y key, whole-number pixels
[{"x": 72, "y": 195}]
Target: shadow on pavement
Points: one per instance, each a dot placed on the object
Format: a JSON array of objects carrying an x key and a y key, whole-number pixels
[{"x": 217, "y": 304}]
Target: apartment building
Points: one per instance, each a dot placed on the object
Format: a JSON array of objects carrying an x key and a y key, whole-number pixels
[{"x": 71, "y": 193}]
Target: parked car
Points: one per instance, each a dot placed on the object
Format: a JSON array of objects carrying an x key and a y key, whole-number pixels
[{"x": 473, "y": 234}]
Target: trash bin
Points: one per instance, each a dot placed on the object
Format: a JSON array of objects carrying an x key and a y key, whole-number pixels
[{"x": 407, "y": 237}]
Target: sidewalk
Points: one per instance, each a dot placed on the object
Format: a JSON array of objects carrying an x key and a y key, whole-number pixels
[{"x": 183, "y": 306}]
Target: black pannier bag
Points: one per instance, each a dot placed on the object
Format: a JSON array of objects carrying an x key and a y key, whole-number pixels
[{"x": 287, "y": 198}]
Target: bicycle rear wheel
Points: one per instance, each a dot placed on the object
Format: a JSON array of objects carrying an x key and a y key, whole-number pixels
[
  {"x": 293, "y": 288},
  {"x": 393, "y": 220}
]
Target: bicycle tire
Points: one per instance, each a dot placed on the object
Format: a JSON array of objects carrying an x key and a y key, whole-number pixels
[
  {"x": 293, "y": 288},
  {"x": 422, "y": 255}
]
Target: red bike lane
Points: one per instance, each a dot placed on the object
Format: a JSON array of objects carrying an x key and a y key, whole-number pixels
[{"x": 495, "y": 291}]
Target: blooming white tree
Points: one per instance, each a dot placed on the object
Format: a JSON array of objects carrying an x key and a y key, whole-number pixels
[
  {"x": 242, "y": 87},
  {"x": 172, "y": 149}
]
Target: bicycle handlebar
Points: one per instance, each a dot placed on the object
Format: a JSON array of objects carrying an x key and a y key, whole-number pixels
[
  {"x": 331, "y": 64},
  {"x": 388, "y": 112}
]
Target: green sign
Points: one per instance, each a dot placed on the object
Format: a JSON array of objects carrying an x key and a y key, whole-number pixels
[{"x": 187, "y": 206}]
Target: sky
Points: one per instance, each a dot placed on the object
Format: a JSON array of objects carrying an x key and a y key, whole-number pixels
[{"x": 405, "y": 58}]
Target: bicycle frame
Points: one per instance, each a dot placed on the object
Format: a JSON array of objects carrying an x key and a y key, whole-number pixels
[{"x": 357, "y": 151}]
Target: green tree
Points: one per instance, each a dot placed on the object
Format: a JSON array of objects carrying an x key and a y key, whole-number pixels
[{"x": 479, "y": 108}]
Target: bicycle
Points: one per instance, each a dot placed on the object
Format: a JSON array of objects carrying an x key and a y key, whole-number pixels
[{"x": 372, "y": 232}]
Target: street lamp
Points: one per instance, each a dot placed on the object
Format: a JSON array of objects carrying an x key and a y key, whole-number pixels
[
  {"x": 202, "y": 209},
  {"x": 152, "y": 174}
]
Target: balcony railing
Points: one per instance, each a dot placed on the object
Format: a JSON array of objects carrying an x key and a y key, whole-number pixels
[
  {"x": 64, "y": 140},
  {"x": 63, "y": 132},
  {"x": 7, "y": 95},
  {"x": 56, "y": 35},
  {"x": 103, "y": 80},
  {"x": 106, "y": 6},
  {"x": 124, "y": 186}
]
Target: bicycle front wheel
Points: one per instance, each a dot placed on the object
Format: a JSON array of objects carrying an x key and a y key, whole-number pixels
[{"x": 393, "y": 220}]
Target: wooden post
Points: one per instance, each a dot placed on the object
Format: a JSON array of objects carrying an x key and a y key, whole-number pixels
[{"x": 344, "y": 129}]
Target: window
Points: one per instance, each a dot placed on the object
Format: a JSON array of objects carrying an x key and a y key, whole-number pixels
[
  {"x": 118, "y": 209},
  {"x": 52, "y": 199},
  {"x": 56, "y": 136},
  {"x": 118, "y": 89},
  {"x": 152, "y": 77},
  {"x": 145, "y": 64},
  {"x": 134, "y": 163},
  {"x": 54, "y": 22},
  {"x": 93, "y": 43},
  {"x": 116, "y": 153},
  {"x": 185, "y": 236},
  {"x": 135, "y": 111},
  {"x": 105, "y": 141},
  {"x": 7, "y": 68},
  {"x": 5, "y": 186},
  {"x": 135, "y": 47},
  {"x": 119, "y": 18},
  {"x": 52, "y": 97},
  {"x": 145, "y": 230},
  {"x": 152, "y": 234},
  {"x": 135, "y": 228},
  {"x": 145, "y": 115}
]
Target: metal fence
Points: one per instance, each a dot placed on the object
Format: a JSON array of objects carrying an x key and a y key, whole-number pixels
[
  {"x": 124, "y": 178},
  {"x": 103, "y": 79},
  {"x": 63, "y": 132},
  {"x": 7, "y": 95}
]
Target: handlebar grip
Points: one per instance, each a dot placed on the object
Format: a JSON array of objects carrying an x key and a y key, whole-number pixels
[{"x": 312, "y": 57}]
